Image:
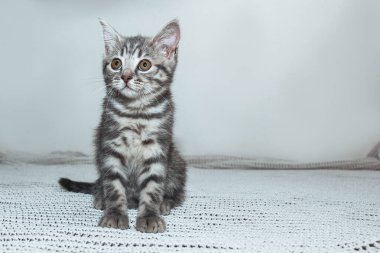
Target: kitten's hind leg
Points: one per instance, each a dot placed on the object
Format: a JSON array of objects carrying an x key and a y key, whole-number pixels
[
  {"x": 174, "y": 196},
  {"x": 98, "y": 201},
  {"x": 174, "y": 183},
  {"x": 98, "y": 195},
  {"x": 166, "y": 206}
]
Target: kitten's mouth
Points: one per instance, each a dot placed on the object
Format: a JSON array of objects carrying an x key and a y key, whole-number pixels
[{"x": 127, "y": 86}]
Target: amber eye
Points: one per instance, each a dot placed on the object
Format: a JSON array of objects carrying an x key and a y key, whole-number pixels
[
  {"x": 145, "y": 65},
  {"x": 116, "y": 64}
]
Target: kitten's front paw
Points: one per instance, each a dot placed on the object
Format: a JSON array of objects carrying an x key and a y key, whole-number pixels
[
  {"x": 114, "y": 220},
  {"x": 150, "y": 224}
]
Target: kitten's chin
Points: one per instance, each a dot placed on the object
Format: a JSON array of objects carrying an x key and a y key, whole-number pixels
[{"x": 128, "y": 92}]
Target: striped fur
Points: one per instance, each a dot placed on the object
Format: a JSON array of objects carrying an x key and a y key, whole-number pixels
[{"x": 138, "y": 163}]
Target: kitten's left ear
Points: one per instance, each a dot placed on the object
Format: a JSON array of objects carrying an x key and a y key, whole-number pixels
[
  {"x": 166, "y": 41},
  {"x": 111, "y": 37}
]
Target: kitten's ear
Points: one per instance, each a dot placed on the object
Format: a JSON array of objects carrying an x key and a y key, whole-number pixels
[
  {"x": 111, "y": 37},
  {"x": 166, "y": 41}
]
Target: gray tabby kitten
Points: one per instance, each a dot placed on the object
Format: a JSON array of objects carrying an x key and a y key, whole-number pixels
[{"x": 137, "y": 162}]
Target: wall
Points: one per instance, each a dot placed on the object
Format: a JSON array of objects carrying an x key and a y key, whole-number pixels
[{"x": 288, "y": 79}]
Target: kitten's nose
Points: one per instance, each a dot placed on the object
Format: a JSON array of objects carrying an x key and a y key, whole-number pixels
[{"x": 126, "y": 77}]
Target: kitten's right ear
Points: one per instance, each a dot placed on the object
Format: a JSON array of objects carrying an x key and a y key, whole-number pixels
[{"x": 111, "y": 37}]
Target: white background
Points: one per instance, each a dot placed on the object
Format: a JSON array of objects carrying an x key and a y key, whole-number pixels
[{"x": 288, "y": 79}]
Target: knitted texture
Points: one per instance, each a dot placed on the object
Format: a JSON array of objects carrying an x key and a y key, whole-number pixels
[{"x": 225, "y": 211}]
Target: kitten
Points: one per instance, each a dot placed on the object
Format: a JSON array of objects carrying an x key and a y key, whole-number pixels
[{"x": 137, "y": 162}]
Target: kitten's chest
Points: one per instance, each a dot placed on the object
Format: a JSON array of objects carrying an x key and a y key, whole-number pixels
[{"x": 137, "y": 141}]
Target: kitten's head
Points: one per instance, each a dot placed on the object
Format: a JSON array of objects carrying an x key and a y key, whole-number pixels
[{"x": 138, "y": 66}]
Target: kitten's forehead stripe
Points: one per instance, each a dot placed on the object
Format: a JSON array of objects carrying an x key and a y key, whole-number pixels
[
  {"x": 135, "y": 49},
  {"x": 132, "y": 44}
]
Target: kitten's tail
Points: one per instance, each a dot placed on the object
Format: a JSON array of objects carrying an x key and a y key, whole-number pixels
[{"x": 74, "y": 186}]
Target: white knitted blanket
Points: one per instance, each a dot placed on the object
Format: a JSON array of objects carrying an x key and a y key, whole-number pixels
[{"x": 226, "y": 211}]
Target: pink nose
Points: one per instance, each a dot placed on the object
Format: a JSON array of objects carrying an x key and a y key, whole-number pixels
[{"x": 126, "y": 77}]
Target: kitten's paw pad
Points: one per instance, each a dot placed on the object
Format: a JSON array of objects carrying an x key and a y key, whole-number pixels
[
  {"x": 165, "y": 207},
  {"x": 114, "y": 220},
  {"x": 150, "y": 224}
]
